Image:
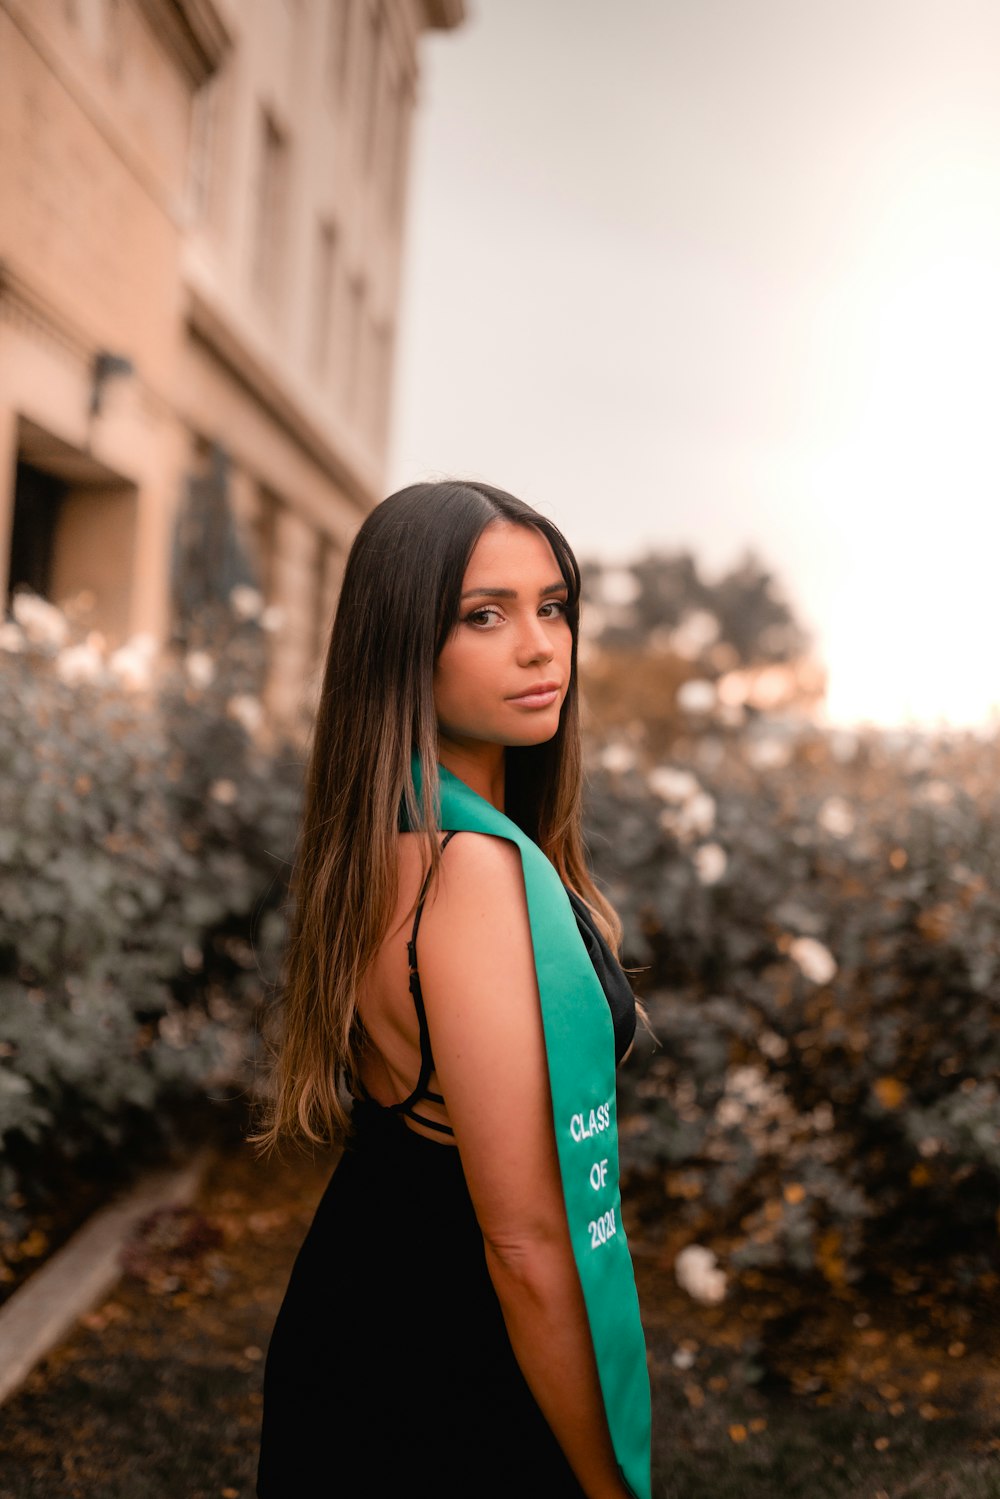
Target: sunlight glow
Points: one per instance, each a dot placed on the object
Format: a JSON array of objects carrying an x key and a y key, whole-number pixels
[{"x": 913, "y": 633}]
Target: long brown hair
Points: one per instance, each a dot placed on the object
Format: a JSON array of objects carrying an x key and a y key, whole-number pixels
[{"x": 398, "y": 604}]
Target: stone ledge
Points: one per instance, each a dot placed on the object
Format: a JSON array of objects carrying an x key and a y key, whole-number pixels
[{"x": 84, "y": 1270}]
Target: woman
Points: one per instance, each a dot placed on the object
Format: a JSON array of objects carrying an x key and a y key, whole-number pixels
[{"x": 452, "y": 1324}]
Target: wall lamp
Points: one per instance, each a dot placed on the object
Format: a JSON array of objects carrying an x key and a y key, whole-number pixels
[{"x": 104, "y": 366}]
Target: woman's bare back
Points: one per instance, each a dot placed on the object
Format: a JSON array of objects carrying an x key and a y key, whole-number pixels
[{"x": 391, "y": 1063}]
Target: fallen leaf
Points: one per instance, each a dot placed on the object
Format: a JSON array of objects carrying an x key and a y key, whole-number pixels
[{"x": 889, "y": 1091}]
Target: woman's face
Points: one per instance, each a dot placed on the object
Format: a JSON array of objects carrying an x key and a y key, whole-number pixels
[{"x": 504, "y": 670}]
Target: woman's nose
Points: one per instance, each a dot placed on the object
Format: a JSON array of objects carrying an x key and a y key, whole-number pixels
[{"x": 535, "y": 643}]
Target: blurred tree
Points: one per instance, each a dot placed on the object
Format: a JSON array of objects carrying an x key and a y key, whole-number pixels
[
  {"x": 754, "y": 619},
  {"x": 644, "y": 601},
  {"x": 209, "y": 559}
]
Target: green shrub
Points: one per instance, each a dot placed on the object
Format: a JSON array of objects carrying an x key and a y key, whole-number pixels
[
  {"x": 819, "y": 923},
  {"x": 145, "y": 827}
]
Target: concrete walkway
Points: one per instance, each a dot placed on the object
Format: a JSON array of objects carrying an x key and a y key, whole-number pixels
[{"x": 82, "y": 1272}]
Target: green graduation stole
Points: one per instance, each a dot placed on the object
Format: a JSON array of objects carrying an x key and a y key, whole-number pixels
[{"x": 579, "y": 1045}]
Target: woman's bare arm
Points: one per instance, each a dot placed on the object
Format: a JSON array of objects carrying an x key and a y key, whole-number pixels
[{"x": 478, "y": 979}]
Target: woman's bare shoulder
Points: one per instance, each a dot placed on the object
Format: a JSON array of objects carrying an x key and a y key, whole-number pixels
[
  {"x": 486, "y": 854},
  {"x": 467, "y": 854},
  {"x": 480, "y": 883}
]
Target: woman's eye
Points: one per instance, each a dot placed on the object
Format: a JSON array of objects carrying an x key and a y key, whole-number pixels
[
  {"x": 483, "y": 616},
  {"x": 488, "y": 616}
]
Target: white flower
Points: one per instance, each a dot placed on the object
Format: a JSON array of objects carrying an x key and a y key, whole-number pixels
[
  {"x": 682, "y": 1358},
  {"x": 694, "y": 819},
  {"x": 936, "y": 793},
  {"x": 693, "y": 812},
  {"x": 710, "y": 862},
  {"x": 699, "y": 814},
  {"x": 272, "y": 618},
  {"x": 697, "y": 1273},
  {"x": 734, "y": 688},
  {"x": 593, "y": 621},
  {"x": 11, "y": 636},
  {"x": 41, "y": 621},
  {"x": 224, "y": 792},
  {"x": 771, "y": 686},
  {"x": 836, "y": 816},
  {"x": 769, "y": 753},
  {"x": 729, "y": 1111},
  {"x": 696, "y": 696},
  {"x": 200, "y": 668},
  {"x": 697, "y": 630},
  {"x": 672, "y": 785},
  {"x": 617, "y": 757},
  {"x": 772, "y": 1045},
  {"x": 144, "y": 644},
  {"x": 619, "y": 586},
  {"x": 246, "y": 602},
  {"x": 247, "y": 710},
  {"x": 749, "y": 1088},
  {"x": 131, "y": 667},
  {"x": 816, "y": 961},
  {"x": 844, "y": 745},
  {"x": 79, "y": 663},
  {"x": 749, "y": 1082}
]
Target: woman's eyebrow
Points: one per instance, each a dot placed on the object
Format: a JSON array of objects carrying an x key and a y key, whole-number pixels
[{"x": 511, "y": 593}]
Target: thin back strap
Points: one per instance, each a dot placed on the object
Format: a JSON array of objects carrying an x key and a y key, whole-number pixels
[
  {"x": 411, "y": 946},
  {"x": 426, "y": 1058},
  {"x": 421, "y": 1090}
]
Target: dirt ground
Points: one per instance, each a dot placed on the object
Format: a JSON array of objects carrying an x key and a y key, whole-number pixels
[{"x": 156, "y": 1395}]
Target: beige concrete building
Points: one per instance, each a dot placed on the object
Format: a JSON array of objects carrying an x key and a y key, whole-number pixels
[{"x": 201, "y": 215}]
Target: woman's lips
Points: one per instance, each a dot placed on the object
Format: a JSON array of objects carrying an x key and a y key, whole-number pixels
[{"x": 539, "y": 697}]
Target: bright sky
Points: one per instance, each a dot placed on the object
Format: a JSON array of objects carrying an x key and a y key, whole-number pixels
[{"x": 726, "y": 273}]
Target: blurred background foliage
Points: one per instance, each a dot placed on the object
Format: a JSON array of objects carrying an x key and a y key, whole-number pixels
[
  {"x": 147, "y": 816},
  {"x": 812, "y": 914},
  {"x": 815, "y": 921}
]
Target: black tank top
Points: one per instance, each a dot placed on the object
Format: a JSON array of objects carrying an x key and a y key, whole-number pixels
[{"x": 617, "y": 991}]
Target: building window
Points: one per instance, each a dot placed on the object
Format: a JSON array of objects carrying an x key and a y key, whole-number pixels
[
  {"x": 323, "y": 296},
  {"x": 265, "y": 537},
  {"x": 381, "y": 383},
  {"x": 369, "y": 74},
  {"x": 354, "y": 374},
  {"x": 270, "y": 215},
  {"x": 322, "y": 610},
  {"x": 205, "y": 164},
  {"x": 399, "y": 146},
  {"x": 71, "y": 531},
  {"x": 390, "y": 138},
  {"x": 38, "y": 500}
]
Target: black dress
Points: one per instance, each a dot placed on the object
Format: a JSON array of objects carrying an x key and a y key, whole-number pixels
[{"x": 437, "y": 1405}]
